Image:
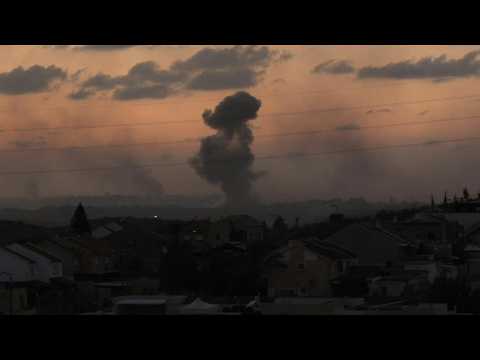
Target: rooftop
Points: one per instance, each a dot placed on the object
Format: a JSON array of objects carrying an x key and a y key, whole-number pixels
[
  {"x": 42, "y": 252},
  {"x": 13, "y": 252}
]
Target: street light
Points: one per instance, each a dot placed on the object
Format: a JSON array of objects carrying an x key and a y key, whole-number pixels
[{"x": 10, "y": 290}]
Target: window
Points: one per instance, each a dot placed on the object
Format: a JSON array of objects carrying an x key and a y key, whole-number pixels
[
  {"x": 340, "y": 266},
  {"x": 301, "y": 266}
]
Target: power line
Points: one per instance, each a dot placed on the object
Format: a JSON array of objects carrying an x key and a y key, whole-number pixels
[
  {"x": 293, "y": 113},
  {"x": 97, "y": 126},
  {"x": 359, "y": 107},
  {"x": 299, "y": 133},
  {"x": 265, "y": 157}
]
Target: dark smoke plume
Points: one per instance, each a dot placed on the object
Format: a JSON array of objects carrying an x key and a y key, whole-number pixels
[{"x": 226, "y": 158}]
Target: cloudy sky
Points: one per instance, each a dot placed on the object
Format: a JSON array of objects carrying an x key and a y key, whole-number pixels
[{"x": 120, "y": 94}]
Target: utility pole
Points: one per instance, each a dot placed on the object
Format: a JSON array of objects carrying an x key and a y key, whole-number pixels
[{"x": 10, "y": 285}]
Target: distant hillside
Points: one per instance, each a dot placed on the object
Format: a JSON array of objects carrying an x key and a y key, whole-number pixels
[{"x": 307, "y": 212}]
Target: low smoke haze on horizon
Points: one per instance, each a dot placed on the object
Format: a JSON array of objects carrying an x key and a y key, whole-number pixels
[{"x": 352, "y": 87}]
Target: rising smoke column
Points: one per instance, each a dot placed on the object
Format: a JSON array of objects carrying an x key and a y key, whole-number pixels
[{"x": 226, "y": 158}]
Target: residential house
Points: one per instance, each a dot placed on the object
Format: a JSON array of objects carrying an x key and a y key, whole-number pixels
[
  {"x": 472, "y": 259},
  {"x": 133, "y": 247},
  {"x": 20, "y": 267},
  {"x": 80, "y": 254},
  {"x": 94, "y": 256},
  {"x": 472, "y": 234},
  {"x": 371, "y": 244},
  {"x": 17, "y": 232},
  {"x": 305, "y": 267},
  {"x": 47, "y": 265},
  {"x": 69, "y": 256},
  {"x": 406, "y": 284},
  {"x": 429, "y": 267},
  {"x": 17, "y": 281},
  {"x": 238, "y": 228},
  {"x": 356, "y": 280},
  {"x": 196, "y": 234},
  {"x": 434, "y": 231},
  {"x": 466, "y": 219}
]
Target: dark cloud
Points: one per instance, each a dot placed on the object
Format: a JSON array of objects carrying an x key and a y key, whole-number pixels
[
  {"x": 238, "y": 67},
  {"x": 230, "y": 58},
  {"x": 32, "y": 80},
  {"x": 348, "y": 127},
  {"x": 149, "y": 71},
  {"x": 101, "y": 82},
  {"x": 226, "y": 158},
  {"x": 81, "y": 94},
  {"x": 142, "y": 92},
  {"x": 76, "y": 75},
  {"x": 436, "y": 68},
  {"x": 334, "y": 67},
  {"x": 107, "y": 48},
  {"x": 91, "y": 47},
  {"x": 224, "y": 79}
]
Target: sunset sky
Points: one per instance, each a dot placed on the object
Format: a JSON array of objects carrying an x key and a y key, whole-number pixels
[{"x": 81, "y": 86}]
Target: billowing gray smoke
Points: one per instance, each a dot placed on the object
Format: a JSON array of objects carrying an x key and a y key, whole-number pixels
[{"x": 226, "y": 158}]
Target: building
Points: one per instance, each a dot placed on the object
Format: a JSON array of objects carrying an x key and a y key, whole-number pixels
[
  {"x": 20, "y": 267},
  {"x": 371, "y": 244},
  {"x": 17, "y": 277},
  {"x": 431, "y": 229},
  {"x": 356, "y": 280},
  {"x": 406, "y": 284},
  {"x": 305, "y": 267},
  {"x": 67, "y": 254},
  {"x": 238, "y": 228},
  {"x": 47, "y": 266},
  {"x": 130, "y": 245},
  {"x": 429, "y": 267},
  {"x": 472, "y": 259}
]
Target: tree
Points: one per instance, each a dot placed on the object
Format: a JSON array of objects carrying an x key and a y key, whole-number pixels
[
  {"x": 179, "y": 271},
  {"x": 466, "y": 194},
  {"x": 279, "y": 232},
  {"x": 279, "y": 225},
  {"x": 79, "y": 224}
]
